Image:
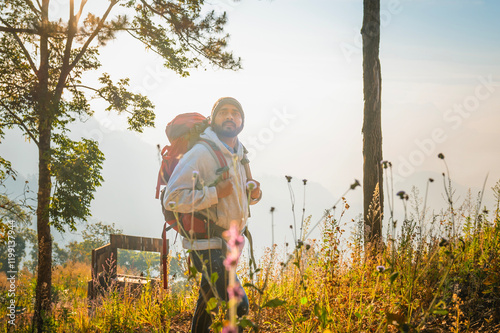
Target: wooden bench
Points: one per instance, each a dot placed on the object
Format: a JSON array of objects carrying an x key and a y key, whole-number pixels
[{"x": 104, "y": 265}]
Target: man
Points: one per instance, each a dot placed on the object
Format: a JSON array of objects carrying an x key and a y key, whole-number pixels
[{"x": 191, "y": 189}]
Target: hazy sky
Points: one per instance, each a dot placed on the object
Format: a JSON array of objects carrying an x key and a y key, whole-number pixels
[{"x": 301, "y": 89}]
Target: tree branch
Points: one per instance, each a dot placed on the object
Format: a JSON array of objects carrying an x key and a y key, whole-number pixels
[
  {"x": 98, "y": 93},
  {"x": 84, "y": 86},
  {"x": 79, "y": 14},
  {"x": 20, "y": 122},
  {"x": 32, "y": 6},
  {"x": 65, "y": 68},
  {"x": 23, "y": 48},
  {"x": 94, "y": 34},
  {"x": 178, "y": 32},
  {"x": 16, "y": 30},
  {"x": 149, "y": 46}
]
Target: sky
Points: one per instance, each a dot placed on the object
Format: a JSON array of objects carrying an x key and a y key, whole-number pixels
[{"x": 301, "y": 90}]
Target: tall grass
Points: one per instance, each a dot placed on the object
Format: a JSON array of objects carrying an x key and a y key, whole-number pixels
[
  {"x": 437, "y": 273},
  {"x": 419, "y": 282}
]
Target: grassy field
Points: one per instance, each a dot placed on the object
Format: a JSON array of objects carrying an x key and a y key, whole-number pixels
[{"x": 437, "y": 273}]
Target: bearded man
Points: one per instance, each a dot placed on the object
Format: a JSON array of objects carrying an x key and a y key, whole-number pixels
[{"x": 195, "y": 186}]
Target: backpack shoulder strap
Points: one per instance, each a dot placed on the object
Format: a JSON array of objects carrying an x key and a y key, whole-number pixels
[{"x": 218, "y": 156}]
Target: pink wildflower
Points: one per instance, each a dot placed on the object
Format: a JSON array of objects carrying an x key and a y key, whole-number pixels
[
  {"x": 234, "y": 238},
  {"x": 235, "y": 292},
  {"x": 230, "y": 329},
  {"x": 231, "y": 260}
]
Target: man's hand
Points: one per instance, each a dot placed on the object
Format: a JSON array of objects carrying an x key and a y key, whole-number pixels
[{"x": 224, "y": 188}]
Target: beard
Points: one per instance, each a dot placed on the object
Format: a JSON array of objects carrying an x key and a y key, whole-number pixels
[{"x": 226, "y": 132}]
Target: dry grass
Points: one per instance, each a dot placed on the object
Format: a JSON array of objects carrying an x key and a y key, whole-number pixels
[{"x": 447, "y": 280}]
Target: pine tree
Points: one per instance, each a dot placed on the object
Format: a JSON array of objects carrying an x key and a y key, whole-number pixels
[{"x": 42, "y": 62}]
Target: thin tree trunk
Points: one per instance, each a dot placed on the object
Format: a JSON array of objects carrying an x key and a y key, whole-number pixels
[
  {"x": 44, "y": 108},
  {"x": 372, "y": 128},
  {"x": 44, "y": 271}
]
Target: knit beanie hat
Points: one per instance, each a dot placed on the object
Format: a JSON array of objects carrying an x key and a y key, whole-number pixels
[{"x": 227, "y": 100}]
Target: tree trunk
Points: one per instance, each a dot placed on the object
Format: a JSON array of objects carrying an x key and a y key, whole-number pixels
[
  {"x": 44, "y": 271},
  {"x": 44, "y": 109},
  {"x": 372, "y": 127}
]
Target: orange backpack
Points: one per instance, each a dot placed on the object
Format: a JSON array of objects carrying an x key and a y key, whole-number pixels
[{"x": 183, "y": 132}]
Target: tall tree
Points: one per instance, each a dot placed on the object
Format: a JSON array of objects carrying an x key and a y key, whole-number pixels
[
  {"x": 42, "y": 62},
  {"x": 372, "y": 127}
]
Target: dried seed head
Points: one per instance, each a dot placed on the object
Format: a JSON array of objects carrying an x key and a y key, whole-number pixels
[{"x": 355, "y": 184}]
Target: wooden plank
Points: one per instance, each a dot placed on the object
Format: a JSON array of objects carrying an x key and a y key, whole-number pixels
[
  {"x": 113, "y": 268},
  {"x": 93, "y": 266},
  {"x": 152, "y": 244},
  {"x": 102, "y": 262},
  {"x": 136, "y": 243},
  {"x": 90, "y": 290},
  {"x": 125, "y": 242}
]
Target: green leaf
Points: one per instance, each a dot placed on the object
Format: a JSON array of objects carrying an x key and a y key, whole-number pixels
[
  {"x": 244, "y": 323},
  {"x": 321, "y": 313},
  {"x": 250, "y": 285},
  {"x": 192, "y": 272},
  {"x": 318, "y": 309},
  {"x": 440, "y": 309},
  {"x": 393, "y": 277},
  {"x": 440, "y": 312},
  {"x": 358, "y": 315},
  {"x": 274, "y": 303},
  {"x": 303, "y": 300},
  {"x": 211, "y": 304},
  {"x": 214, "y": 277}
]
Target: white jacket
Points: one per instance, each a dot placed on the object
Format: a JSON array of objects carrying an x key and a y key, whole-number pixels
[{"x": 188, "y": 189}]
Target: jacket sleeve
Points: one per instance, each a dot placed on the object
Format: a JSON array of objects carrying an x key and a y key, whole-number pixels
[{"x": 188, "y": 190}]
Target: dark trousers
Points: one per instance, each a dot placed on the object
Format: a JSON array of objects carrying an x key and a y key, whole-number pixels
[{"x": 214, "y": 262}]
